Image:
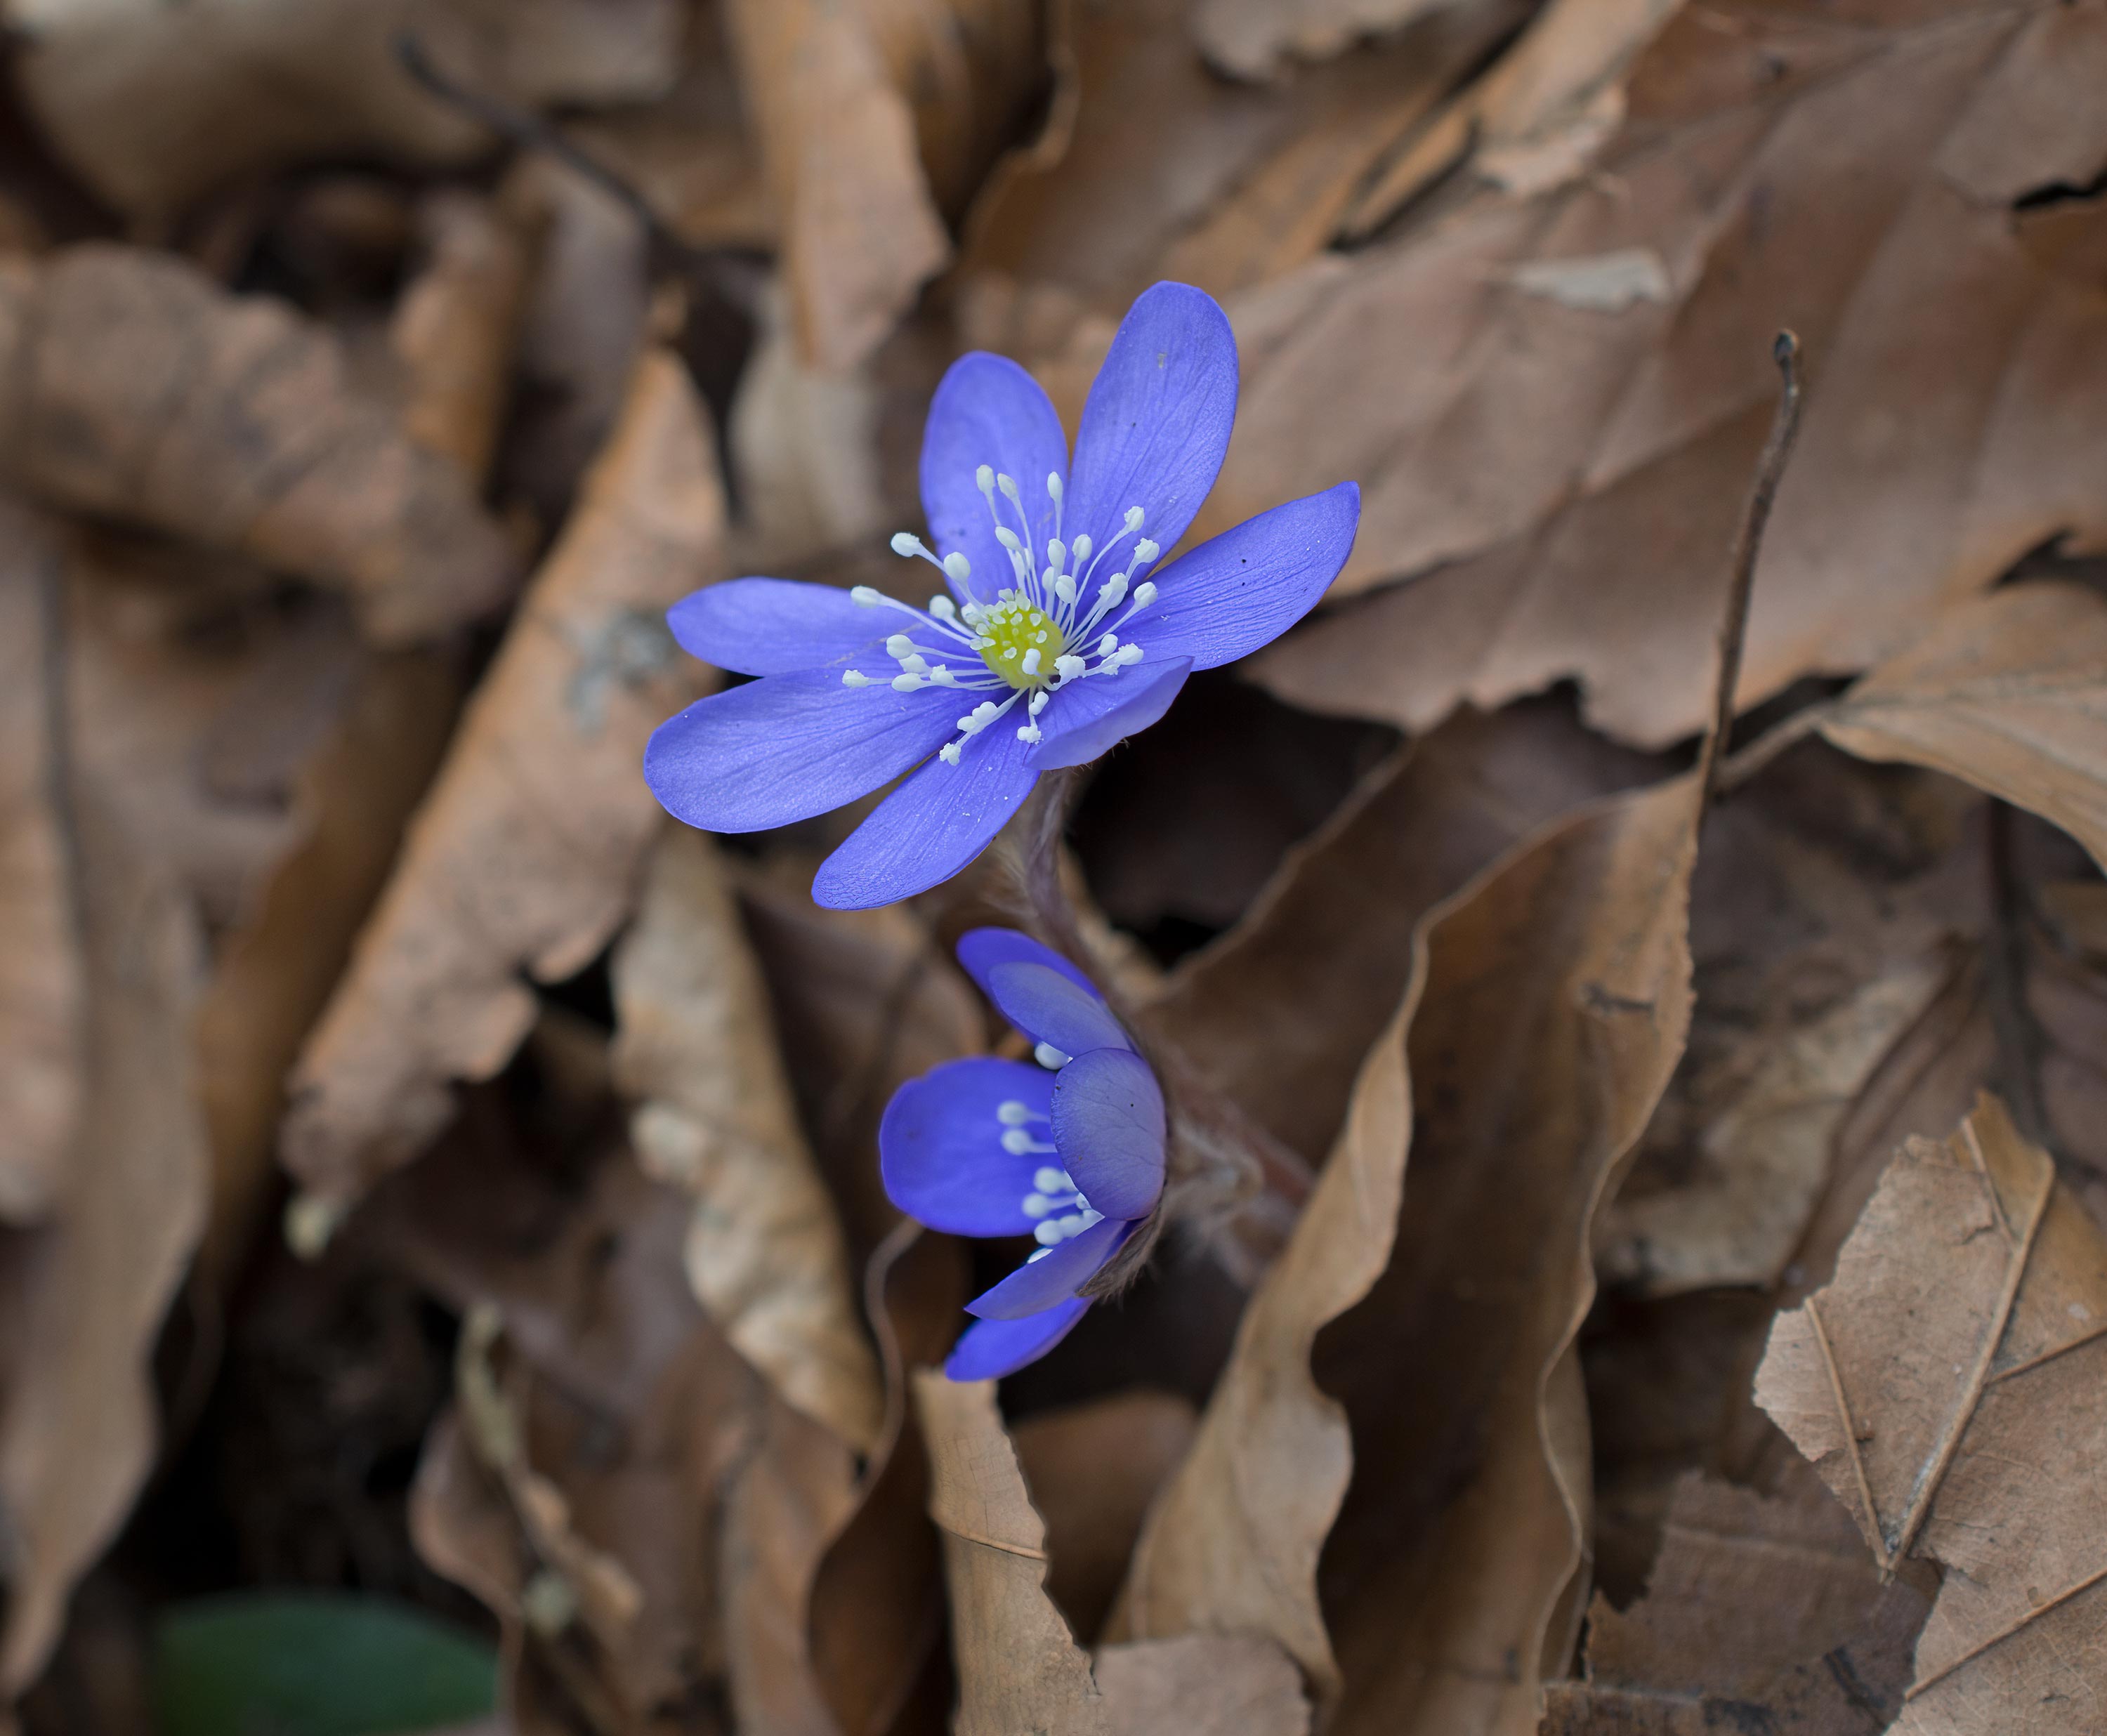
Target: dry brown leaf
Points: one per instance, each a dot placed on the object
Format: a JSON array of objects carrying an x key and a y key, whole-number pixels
[
  {"x": 524, "y": 854},
  {"x": 1418, "y": 826},
  {"x": 1563, "y": 482},
  {"x": 1253, "y": 39},
  {"x": 457, "y": 322},
  {"x": 2006, "y": 691},
  {"x": 715, "y": 1118},
  {"x": 42, "y": 994},
  {"x": 1455, "y": 1551},
  {"x": 873, "y": 118},
  {"x": 1019, "y": 1668},
  {"x": 1092, "y": 1470},
  {"x": 139, "y": 391},
  {"x": 1153, "y": 166},
  {"x": 1947, "y": 1386},
  {"x": 153, "y": 106},
  {"x": 86, "y": 1289},
  {"x": 1762, "y": 1611}
]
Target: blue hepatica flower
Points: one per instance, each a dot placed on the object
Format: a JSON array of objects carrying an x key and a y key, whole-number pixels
[
  {"x": 1058, "y": 635},
  {"x": 1068, "y": 1151}
]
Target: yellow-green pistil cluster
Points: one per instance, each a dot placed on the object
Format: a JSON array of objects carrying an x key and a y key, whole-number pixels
[{"x": 1020, "y": 641}]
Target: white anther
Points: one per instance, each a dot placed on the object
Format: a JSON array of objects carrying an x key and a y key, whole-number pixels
[
  {"x": 1031, "y": 660},
  {"x": 1055, "y": 554},
  {"x": 1083, "y": 547},
  {"x": 1108, "y": 644},
  {"x": 899, "y": 645},
  {"x": 1048, "y": 1233},
  {"x": 983, "y": 714},
  {"x": 949, "y": 753},
  {"x": 1038, "y": 702},
  {"x": 1030, "y": 732},
  {"x": 984, "y": 479},
  {"x": 1064, "y": 587},
  {"x": 1054, "y": 484},
  {"x": 909, "y": 683},
  {"x": 1073, "y": 1224},
  {"x": 1013, "y": 1113},
  {"x": 1008, "y": 538},
  {"x": 1115, "y": 588},
  {"x": 942, "y": 674},
  {"x": 1049, "y": 1180},
  {"x": 854, "y": 678},
  {"x": 1047, "y": 1056},
  {"x": 1129, "y": 654},
  {"x": 1133, "y": 520},
  {"x": 914, "y": 663},
  {"x": 1017, "y": 1141},
  {"x": 1144, "y": 594},
  {"x": 1089, "y": 1216},
  {"x": 970, "y": 613},
  {"x": 943, "y": 609},
  {"x": 1010, "y": 655},
  {"x": 958, "y": 567},
  {"x": 1069, "y": 668},
  {"x": 1008, "y": 484},
  {"x": 1146, "y": 551},
  {"x": 905, "y": 542},
  {"x": 1037, "y": 1206},
  {"x": 864, "y": 597}
]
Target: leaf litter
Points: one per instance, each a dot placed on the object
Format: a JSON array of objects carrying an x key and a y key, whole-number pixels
[{"x": 1646, "y": 1265}]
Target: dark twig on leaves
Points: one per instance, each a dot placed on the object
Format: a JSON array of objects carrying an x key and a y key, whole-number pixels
[
  {"x": 1748, "y": 544},
  {"x": 2022, "y": 1045}
]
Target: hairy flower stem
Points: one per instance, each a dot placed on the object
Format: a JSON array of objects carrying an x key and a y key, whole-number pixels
[{"x": 1243, "y": 1185}]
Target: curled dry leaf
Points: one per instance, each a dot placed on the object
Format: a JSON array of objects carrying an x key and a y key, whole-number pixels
[
  {"x": 1449, "y": 1571},
  {"x": 455, "y": 326},
  {"x": 153, "y": 106},
  {"x": 715, "y": 1118},
  {"x": 873, "y": 120},
  {"x": 1019, "y": 1668},
  {"x": 2006, "y": 691},
  {"x": 1761, "y": 1609},
  {"x": 108, "y": 351},
  {"x": 1574, "y": 475},
  {"x": 42, "y": 993},
  {"x": 524, "y": 852},
  {"x": 86, "y": 1288},
  {"x": 1253, "y": 39},
  {"x": 1947, "y": 1384}
]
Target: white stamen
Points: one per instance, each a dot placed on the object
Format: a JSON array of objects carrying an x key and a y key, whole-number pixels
[
  {"x": 864, "y": 597},
  {"x": 1069, "y": 668},
  {"x": 1108, "y": 644},
  {"x": 1008, "y": 484},
  {"x": 1082, "y": 549},
  {"x": 1048, "y": 1233},
  {"x": 1144, "y": 594},
  {"x": 1073, "y": 1224},
  {"x": 984, "y": 479},
  {"x": 914, "y": 663},
  {"x": 909, "y": 683},
  {"x": 1064, "y": 588},
  {"x": 1013, "y": 1113},
  {"x": 941, "y": 606},
  {"x": 899, "y": 645},
  {"x": 1089, "y": 1216},
  {"x": 905, "y": 542},
  {"x": 854, "y": 678},
  {"x": 1146, "y": 551},
  {"x": 960, "y": 569},
  {"x": 1008, "y": 538},
  {"x": 1031, "y": 659},
  {"x": 1038, "y": 702},
  {"x": 1055, "y": 555},
  {"x": 1047, "y": 1056},
  {"x": 1133, "y": 520},
  {"x": 942, "y": 674},
  {"x": 949, "y": 753},
  {"x": 1049, "y": 1180},
  {"x": 1037, "y": 1206},
  {"x": 1054, "y": 486}
]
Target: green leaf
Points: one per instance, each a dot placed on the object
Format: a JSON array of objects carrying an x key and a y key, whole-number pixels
[{"x": 312, "y": 1664}]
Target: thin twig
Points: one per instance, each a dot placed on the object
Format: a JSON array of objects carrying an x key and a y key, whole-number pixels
[
  {"x": 2022, "y": 1047},
  {"x": 1748, "y": 543}
]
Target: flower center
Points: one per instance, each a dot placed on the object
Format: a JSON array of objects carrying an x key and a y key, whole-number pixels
[{"x": 1020, "y": 641}]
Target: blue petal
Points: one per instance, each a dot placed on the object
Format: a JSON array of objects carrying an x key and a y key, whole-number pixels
[
  {"x": 787, "y": 747},
  {"x": 1157, "y": 422},
  {"x": 982, "y": 949},
  {"x": 1048, "y": 1007},
  {"x": 988, "y": 411},
  {"x": 1108, "y": 1127},
  {"x": 992, "y": 1348},
  {"x": 1038, "y": 1284},
  {"x": 777, "y": 627},
  {"x": 940, "y": 1146},
  {"x": 1245, "y": 588},
  {"x": 932, "y": 825},
  {"x": 1100, "y": 711}
]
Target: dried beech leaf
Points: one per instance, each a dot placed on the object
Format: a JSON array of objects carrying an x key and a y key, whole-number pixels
[
  {"x": 851, "y": 102},
  {"x": 1947, "y": 1386},
  {"x": 1252, "y": 38},
  {"x": 86, "y": 1289},
  {"x": 1561, "y": 484},
  {"x": 715, "y": 1118},
  {"x": 140, "y": 390},
  {"x": 1760, "y": 1607},
  {"x": 2008, "y": 692},
  {"x": 524, "y": 854},
  {"x": 1445, "y": 1570},
  {"x": 1019, "y": 1668},
  {"x": 153, "y": 106},
  {"x": 42, "y": 993},
  {"x": 456, "y": 323}
]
